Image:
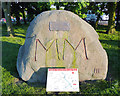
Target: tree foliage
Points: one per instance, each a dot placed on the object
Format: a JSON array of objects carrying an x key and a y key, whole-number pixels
[
  {"x": 98, "y": 9},
  {"x": 78, "y": 8},
  {"x": 35, "y": 8},
  {"x": 32, "y": 9},
  {"x": 15, "y": 11}
]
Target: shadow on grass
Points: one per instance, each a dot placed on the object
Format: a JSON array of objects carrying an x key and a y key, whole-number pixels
[
  {"x": 19, "y": 30},
  {"x": 4, "y": 33},
  {"x": 113, "y": 61},
  {"x": 102, "y": 32},
  {"x": 111, "y": 42},
  {"x": 19, "y": 35},
  {"x": 103, "y": 27},
  {"x": 9, "y": 57}
]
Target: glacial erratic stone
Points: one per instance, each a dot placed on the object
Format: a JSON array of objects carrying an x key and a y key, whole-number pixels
[{"x": 61, "y": 39}]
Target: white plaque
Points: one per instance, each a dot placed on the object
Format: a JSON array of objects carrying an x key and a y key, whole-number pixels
[{"x": 62, "y": 80}]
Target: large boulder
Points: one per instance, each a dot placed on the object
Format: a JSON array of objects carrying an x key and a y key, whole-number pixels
[{"x": 61, "y": 39}]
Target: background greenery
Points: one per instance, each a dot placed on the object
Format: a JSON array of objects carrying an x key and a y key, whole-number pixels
[
  {"x": 23, "y": 12},
  {"x": 12, "y": 84}
]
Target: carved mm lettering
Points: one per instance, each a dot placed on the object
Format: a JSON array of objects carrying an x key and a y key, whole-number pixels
[{"x": 65, "y": 40}]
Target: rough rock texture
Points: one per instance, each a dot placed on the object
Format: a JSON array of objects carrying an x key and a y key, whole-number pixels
[{"x": 75, "y": 45}]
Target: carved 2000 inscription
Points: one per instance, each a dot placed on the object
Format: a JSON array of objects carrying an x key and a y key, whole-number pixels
[{"x": 65, "y": 40}]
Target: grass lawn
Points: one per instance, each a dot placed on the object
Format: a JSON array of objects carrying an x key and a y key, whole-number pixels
[{"x": 11, "y": 84}]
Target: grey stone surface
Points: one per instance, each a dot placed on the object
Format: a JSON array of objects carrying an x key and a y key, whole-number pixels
[{"x": 77, "y": 47}]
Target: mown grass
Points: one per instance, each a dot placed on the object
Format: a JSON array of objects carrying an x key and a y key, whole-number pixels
[{"x": 12, "y": 84}]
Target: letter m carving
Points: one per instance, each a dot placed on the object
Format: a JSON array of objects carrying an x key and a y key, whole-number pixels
[{"x": 65, "y": 40}]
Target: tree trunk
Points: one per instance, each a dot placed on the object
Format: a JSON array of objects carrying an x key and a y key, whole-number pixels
[
  {"x": 17, "y": 20},
  {"x": 57, "y": 7},
  {"x": 24, "y": 16},
  {"x": 96, "y": 24},
  {"x": 7, "y": 10},
  {"x": 111, "y": 22},
  {"x": 30, "y": 16}
]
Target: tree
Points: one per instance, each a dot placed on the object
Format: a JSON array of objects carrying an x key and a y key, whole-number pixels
[
  {"x": 18, "y": 9},
  {"x": 15, "y": 7},
  {"x": 118, "y": 14},
  {"x": 32, "y": 9},
  {"x": 111, "y": 22},
  {"x": 58, "y": 5},
  {"x": 78, "y": 8},
  {"x": 23, "y": 6},
  {"x": 35, "y": 8},
  {"x": 98, "y": 9},
  {"x": 7, "y": 13}
]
